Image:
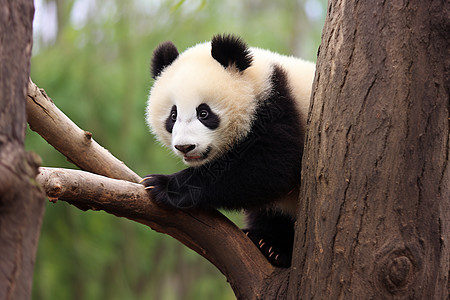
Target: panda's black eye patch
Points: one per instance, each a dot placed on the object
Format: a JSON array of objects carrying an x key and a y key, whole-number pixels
[
  {"x": 207, "y": 117},
  {"x": 171, "y": 119}
]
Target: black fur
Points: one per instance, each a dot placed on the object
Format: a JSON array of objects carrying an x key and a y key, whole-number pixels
[
  {"x": 207, "y": 116},
  {"x": 262, "y": 167},
  {"x": 230, "y": 50},
  {"x": 170, "y": 122},
  {"x": 163, "y": 56},
  {"x": 273, "y": 233}
]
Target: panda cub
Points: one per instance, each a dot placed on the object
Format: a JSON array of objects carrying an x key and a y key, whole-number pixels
[{"x": 236, "y": 115}]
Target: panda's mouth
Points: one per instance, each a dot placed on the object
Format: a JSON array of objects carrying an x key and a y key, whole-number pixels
[{"x": 199, "y": 157}]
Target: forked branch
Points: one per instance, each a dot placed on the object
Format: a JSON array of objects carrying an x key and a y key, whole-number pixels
[
  {"x": 208, "y": 233},
  {"x": 73, "y": 142}
]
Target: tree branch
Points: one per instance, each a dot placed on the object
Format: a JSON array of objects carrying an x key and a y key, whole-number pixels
[
  {"x": 208, "y": 233},
  {"x": 66, "y": 137}
]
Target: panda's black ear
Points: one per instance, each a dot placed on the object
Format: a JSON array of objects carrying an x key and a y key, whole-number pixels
[
  {"x": 163, "y": 56},
  {"x": 231, "y": 50}
]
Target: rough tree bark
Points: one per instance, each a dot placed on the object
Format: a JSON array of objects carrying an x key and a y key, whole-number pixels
[
  {"x": 375, "y": 220},
  {"x": 21, "y": 201}
]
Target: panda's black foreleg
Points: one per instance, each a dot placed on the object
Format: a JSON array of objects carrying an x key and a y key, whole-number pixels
[
  {"x": 273, "y": 233},
  {"x": 270, "y": 230}
]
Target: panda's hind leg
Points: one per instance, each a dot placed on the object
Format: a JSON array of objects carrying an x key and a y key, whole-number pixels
[{"x": 273, "y": 233}]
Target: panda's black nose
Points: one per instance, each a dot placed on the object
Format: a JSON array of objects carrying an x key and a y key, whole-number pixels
[{"x": 185, "y": 148}]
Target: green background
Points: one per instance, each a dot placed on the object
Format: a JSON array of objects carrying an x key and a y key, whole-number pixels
[{"x": 92, "y": 58}]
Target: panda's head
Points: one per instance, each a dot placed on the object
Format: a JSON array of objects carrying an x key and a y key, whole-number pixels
[{"x": 202, "y": 101}]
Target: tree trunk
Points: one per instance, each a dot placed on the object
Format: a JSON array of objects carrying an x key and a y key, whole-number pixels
[
  {"x": 21, "y": 202},
  {"x": 375, "y": 219}
]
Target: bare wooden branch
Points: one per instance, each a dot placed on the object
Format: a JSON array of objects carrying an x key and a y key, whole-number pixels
[
  {"x": 208, "y": 233},
  {"x": 76, "y": 144}
]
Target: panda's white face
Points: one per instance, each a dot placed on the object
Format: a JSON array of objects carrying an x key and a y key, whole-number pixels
[
  {"x": 204, "y": 100},
  {"x": 198, "y": 108},
  {"x": 194, "y": 135}
]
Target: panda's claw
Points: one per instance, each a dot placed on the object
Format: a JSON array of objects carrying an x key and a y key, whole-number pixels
[
  {"x": 269, "y": 249},
  {"x": 145, "y": 178},
  {"x": 149, "y": 187}
]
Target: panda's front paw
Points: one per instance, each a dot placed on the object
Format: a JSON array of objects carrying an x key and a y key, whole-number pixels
[
  {"x": 171, "y": 191},
  {"x": 156, "y": 186}
]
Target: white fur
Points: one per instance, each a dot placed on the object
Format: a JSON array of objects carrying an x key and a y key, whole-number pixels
[{"x": 195, "y": 77}]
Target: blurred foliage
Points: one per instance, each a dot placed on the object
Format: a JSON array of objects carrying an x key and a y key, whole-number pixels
[{"x": 92, "y": 57}]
